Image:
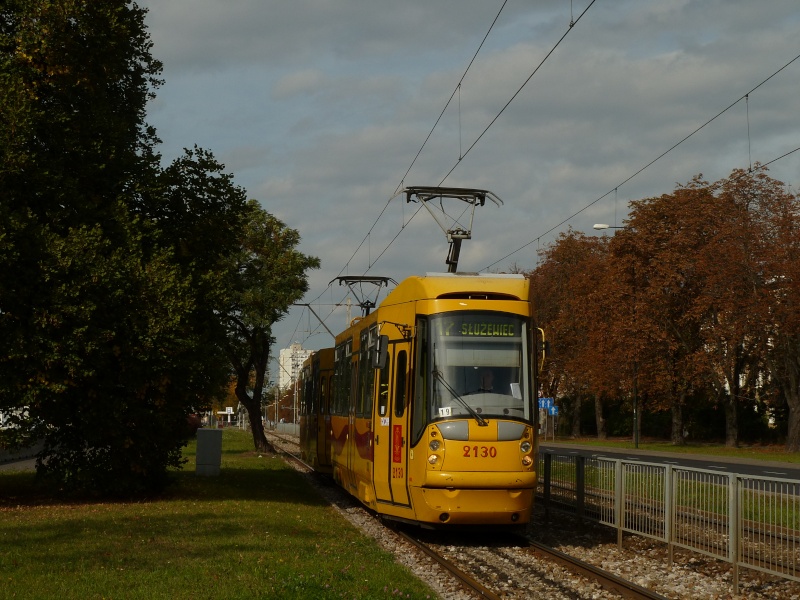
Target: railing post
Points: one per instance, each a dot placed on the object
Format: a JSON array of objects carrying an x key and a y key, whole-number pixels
[
  {"x": 669, "y": 504},
  {"x": 580, "y": 487},
  {"x": 734, "y": 485},
  {"x": 548, "y": 470},
  {"x": 619, "y": 500}
]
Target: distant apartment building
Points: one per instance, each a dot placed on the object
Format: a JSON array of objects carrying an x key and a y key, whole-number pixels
[{"x": 290, "y": 362}]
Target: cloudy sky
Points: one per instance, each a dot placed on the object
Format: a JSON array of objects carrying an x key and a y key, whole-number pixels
[{"x": 321, "y": 110}]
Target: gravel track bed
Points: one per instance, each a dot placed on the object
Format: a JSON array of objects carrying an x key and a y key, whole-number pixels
[{"x": 511, "y": 571}]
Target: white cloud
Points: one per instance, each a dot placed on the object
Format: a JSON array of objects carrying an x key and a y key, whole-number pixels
[{"x": 320, "y": 107}]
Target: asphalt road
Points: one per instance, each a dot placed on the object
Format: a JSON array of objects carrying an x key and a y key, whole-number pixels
[{"x": 743, "y": 466}]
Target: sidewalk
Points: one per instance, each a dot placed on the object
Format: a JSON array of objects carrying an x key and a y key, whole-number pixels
[
  {"x": 19, "y": 460},
  {"x": 28, "y": 464}
]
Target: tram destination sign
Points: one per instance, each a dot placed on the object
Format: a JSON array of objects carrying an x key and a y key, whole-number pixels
[{"x": 479, "y": 326}]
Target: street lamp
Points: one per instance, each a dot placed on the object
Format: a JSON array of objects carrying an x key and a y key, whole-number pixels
[
  {"x": 601, "y": 226},
  {"x": 605, "y": 226}
]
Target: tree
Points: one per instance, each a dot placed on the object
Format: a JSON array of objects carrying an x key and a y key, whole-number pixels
[
  {"x": 565, "y": 287},
  {"x": 777, "y": 249},
  {"x": 731, "y": 301},
  {"x": 96, "y": 333},
  {"x": 694, "y": 298},
  {"x": 666, "y": 234},
  {"x": 267, "y": 275},
  {"x": 118, "y": 375},
  {"x": 200, "y": 214},
  {"x": 76, "y": 78}
]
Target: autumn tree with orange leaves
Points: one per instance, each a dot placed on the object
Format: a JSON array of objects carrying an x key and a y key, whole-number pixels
[
  {"x": 565, "y": 287},
  {"x": 695, "y": 298}
]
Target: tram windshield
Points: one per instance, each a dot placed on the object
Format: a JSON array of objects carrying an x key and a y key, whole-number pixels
[{"x": 479, "y": 367}]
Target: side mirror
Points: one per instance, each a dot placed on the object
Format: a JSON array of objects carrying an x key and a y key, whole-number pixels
[
  {"x": 380, "y": 352},
  {"x": 544, "y": 349}
]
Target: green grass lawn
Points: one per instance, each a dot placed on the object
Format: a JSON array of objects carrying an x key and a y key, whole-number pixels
[
  {"x": 258, "y": 530},
  {"x": 760, "y": 452}
]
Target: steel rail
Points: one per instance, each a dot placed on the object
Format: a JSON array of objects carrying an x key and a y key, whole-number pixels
[
  {"x": 466, "y": 581},
  {"x": 609, "y": 581}
]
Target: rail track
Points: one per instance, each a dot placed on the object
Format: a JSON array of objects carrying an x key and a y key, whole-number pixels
[
  {"x": 609, "y": 581},
  {"x": 529, "y": 571},
  {"x": 484, "y": 571}
]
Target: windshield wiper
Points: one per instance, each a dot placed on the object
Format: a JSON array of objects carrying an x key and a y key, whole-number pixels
[{"x": 481, "y": 421}]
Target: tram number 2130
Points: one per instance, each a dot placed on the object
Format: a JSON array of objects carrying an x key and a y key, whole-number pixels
[{"x": 480, "y": 452}]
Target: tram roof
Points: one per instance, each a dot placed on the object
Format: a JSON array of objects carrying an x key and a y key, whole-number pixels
[{"x": 453, "y": 285}]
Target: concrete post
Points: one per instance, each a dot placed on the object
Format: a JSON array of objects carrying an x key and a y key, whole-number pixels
[{"x": 209, "y": 451}]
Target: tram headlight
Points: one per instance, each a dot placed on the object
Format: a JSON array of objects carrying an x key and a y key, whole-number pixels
[
  {"x": 527, "y": 461},
  {"x": 435, "y": 445},
  {"x": 525, "y": 447},
  {"x": 433, "y": 459}
]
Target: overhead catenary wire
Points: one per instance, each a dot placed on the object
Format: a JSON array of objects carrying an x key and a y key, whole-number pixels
[
  {"x": 413, "y": 162},
  {"x": 424, "y": 143},
  {"x": 615, "y": 189},
  {"x": 507, "y": 104},
  {"x": 449, "y": 100},
  {"x": 572, "y": 23},
  {"x": 759, "y": 167},
  {"x": 651, "y": 163}
]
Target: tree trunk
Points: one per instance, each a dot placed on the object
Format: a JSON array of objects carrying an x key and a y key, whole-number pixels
[
  {"x": 602, "y": 434},
  {"x": 791, "y": 390},
  {"x": 677, "y": 419},
  {"x": 253, "y": 405},
  {"x": 576, "y": 417},
  {"x": 793, "y": 437},
  {"x": 731, "y": 422}
]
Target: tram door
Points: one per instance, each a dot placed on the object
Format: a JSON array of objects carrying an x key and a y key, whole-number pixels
[
  {"x": 391, "y": 428},
  {"x": 323, "y": 417}
]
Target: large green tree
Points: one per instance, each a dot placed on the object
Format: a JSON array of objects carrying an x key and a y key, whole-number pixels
[
  {"x": 268, "y": 274},
  {"x": 97, "y": 336}
]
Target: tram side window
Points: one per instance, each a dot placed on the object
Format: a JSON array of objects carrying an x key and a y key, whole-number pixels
[
  {"x": 400, "y": 384},
  {"x": 352, "y": 388},
  {"x": 383, "y": 389},
  {"x": 366, "y": 378},
  {"x": 311, "y": 390},
  {"x": 419, "y": 410},
  {"x": 313, "y": 398},
  {"x": 337, "y": 385},
  {"x": 369, "y": 376},
  {"x": 307, "y": 404},
  {"x": 342, "y": 380}
]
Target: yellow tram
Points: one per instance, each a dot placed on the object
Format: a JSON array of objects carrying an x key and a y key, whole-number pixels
[
  {"x": 429, "y": 415},
  {"x": 315, "y": 381}
]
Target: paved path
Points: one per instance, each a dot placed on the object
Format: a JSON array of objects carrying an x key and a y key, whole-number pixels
[{"x": 20, "y": 465}]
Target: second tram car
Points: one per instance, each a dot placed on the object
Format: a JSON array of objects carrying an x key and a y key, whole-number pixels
[
  {"x": 315, "y": 381},
  {"x": 426, "y": 409}
]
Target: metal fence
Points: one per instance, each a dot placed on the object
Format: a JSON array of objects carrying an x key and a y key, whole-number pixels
[{"x": 751, "y": 522}]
